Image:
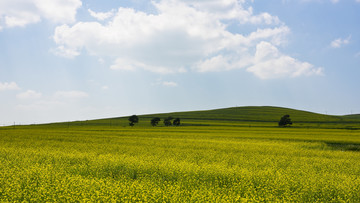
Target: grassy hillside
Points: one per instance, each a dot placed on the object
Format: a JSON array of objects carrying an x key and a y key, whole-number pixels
[
  {"x": 235, "y": 116},
  {"x": 255, "y": 113},
  {"x": 353, "y": 116}
]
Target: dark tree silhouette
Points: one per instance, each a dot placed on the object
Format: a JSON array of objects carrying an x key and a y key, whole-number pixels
[
  {"x": 167, "y": 121},
  {"x": 285, "y": 121},
  {"x": 155, "y": 121},
  {"x": 133, "y": 119},
  {"x": 176, "y": 122}
]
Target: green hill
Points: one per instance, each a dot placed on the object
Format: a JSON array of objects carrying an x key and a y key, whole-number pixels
[
  {"x": 243, "y": 116},
  {"x": 258, "y": 114},
  {"x": 353, "y": 116}
]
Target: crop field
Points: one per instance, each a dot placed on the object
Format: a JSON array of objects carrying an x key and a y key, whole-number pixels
[{"x": 207, "y": 158}]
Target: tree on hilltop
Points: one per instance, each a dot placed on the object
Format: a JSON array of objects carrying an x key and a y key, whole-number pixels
[
  {"x": 167, "y": 121},
  {"x": 285, "y": 121},
  {"x": 155, "y": 121},
  {"x": 133, "y": 119},
  {"x": 176, "y": 122}
]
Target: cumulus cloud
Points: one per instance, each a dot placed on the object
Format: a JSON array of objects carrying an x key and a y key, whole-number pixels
[
  {"x": 101, "y": 15},
  {"x": 232, "y": 9},
  {"x": 29, "y": 94},
  {"x": 270, "y": 63},
  {"x": 178, "y": 37},
  {"x": 337, "y": 43},
  {"x": 8, "y": 86},
  {"x": 65, "y": 52},
  {"x": 19, "y": 13}
]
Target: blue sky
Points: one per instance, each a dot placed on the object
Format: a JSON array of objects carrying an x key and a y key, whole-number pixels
[{"x": 84, "y": 59}]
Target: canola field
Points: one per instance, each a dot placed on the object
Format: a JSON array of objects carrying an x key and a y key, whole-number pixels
[{"x": 200, "y": 161}]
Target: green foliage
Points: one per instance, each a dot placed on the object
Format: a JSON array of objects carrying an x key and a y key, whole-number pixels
[
  {"x": 176, "y": 122},
  {"x": 155, "y": 121},
  {"x": 133, "y": 119},
  {"x": 285, "y": 121},
  {"x": 167, "y": 121}
]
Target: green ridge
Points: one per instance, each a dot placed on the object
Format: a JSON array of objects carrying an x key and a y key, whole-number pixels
[
  {"x": 249, "y": 115},
  {"x": 258, "y": 114}
]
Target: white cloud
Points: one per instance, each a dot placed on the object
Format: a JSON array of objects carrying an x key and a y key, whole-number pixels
[
  {"x": 337, "y": 43},
  {"x": 276, "y": 35},
  {"x": 224, "y": 62},
  {"x": 70, "y": 95},
  {"x": 179, "y": 36},
  {"x": 65, "y": 52},
  {"x": 123, "y": 64},
  {"x": 270, "y": 63},
  {"x": 21, "y": 19},
  {"x": 101, "y": 15},
  {"x": 233, "y": 9},
  {"x": 19, "y": 13},
  {"x": 160, "y": 82},
  {"x": 132, "y": 65},
  {"x": 29, "y": 94},
  {"x": 357, "y": 1},
  {"x": 8, "y": 86},
  {"x": 170, "y": 84},
  {"x": 332, "y": 1}
]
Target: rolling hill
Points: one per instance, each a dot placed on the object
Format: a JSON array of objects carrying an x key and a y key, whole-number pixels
[{"x": 258, "y": 114}]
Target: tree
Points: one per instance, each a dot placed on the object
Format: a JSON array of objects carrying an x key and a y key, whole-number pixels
[
  {"x": 155, "y": 121},
  {"x": 176, "y": 122},
  {"x": 285, "y": 121},
  {"x": 133, "y": 119},
  {"x": 167, "y": 121}
]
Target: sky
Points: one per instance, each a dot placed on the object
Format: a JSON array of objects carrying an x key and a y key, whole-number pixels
[{"x": 65, "y": 60}]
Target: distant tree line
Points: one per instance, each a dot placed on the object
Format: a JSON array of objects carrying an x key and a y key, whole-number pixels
[{"x": 169, "y": 121}]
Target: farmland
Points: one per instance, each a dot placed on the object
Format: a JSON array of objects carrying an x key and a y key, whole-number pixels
[{"x": 235, "y": 154}]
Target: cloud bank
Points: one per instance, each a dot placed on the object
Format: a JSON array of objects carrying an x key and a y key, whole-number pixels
[
  {"x": 19, "y": 13},
  {"x": 8, "y": 86},
  {"x": 184, "y": 36}
]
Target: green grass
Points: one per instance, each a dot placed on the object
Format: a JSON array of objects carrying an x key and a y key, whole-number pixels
[
  {"x": 261, "y": 114},
  {"x": 353, "y": 116},
  {"x": 209, "y": 158}
]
